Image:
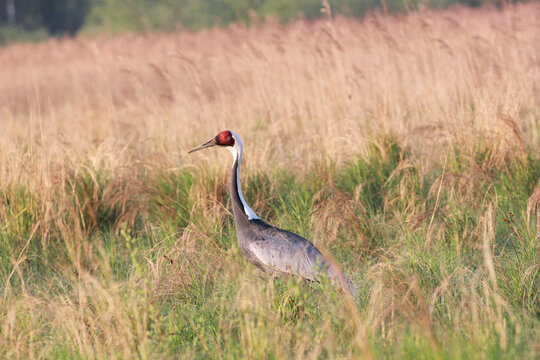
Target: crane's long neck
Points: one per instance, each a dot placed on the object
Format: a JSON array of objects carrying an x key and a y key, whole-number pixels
[{"x": 240, "y": 206}]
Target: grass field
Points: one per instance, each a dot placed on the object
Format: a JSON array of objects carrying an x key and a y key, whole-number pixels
[{"x": 407, "y": 147}]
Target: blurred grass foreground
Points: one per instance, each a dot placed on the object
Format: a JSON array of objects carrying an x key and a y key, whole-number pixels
[{"x": 407, "y": 146}]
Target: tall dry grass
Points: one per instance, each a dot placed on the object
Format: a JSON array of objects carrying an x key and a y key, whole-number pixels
[
  {"x": 430, "y": 77},
  {"x": 107, "y": 224}
]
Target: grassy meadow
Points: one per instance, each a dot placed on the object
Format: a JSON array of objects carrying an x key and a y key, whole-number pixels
[{"x": 407, "y": 147}]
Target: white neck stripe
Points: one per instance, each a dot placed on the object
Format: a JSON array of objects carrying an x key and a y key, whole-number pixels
[{"x": 237, "y": 151}]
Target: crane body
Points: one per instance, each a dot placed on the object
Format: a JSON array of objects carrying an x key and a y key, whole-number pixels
[{"x": 273, "y": 250}]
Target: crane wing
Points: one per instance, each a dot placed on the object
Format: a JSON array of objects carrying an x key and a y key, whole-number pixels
[
  {"x": 282, "y": 251},
  {"x": 286, "y": 252}
]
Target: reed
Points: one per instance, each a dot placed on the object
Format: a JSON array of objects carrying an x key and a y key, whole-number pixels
[{"x": 405, "y": 146}]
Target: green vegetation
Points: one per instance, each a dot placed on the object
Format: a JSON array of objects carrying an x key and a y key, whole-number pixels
[
  {"x": 33, "y": 18},
  {"x": 114, "y": 16},
  {"x": 407, "y": 148},
  {"x": 14, "y": 34},
  {"x": 475, "y": 290}
]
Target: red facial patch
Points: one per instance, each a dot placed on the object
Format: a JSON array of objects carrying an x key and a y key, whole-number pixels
[{"x": 225, "y": 138}]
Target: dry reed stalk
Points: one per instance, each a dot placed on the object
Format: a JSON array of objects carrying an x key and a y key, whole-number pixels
[{"x": 129, "y": 107}]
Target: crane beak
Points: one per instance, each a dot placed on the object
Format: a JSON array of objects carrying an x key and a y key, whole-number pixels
[{"x": 207, "y": 144}]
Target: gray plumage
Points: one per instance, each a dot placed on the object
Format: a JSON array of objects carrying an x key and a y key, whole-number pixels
[{"x": 271, "y": 249}]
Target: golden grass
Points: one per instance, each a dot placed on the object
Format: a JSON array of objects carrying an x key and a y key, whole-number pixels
[
  {"x": 295, "y": 93},
  {"x": 441, "y": 82}
]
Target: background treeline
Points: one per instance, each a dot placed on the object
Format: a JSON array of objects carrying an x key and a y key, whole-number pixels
[{"x": 36, "y": 19}]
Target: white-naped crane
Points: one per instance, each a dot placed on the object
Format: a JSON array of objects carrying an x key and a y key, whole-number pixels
[{"x": 272, "y": 250}]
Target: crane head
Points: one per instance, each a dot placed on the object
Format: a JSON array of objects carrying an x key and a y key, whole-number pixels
[{"x": 224, "y": 138}]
